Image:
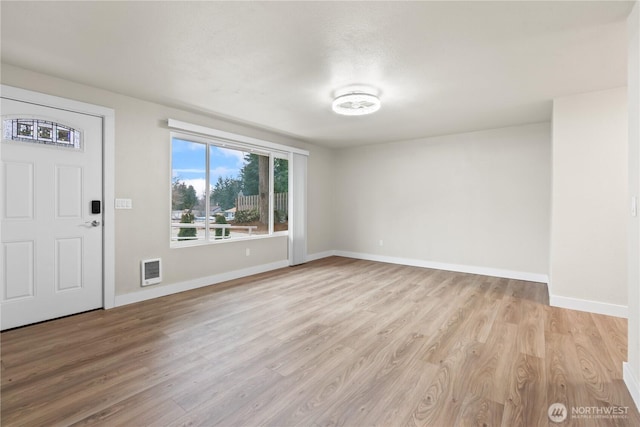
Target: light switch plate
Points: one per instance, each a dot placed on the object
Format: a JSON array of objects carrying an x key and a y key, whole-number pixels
[{"x": 124, "y": 204}]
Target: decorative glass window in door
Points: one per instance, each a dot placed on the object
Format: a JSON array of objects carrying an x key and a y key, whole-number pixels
[{"x": 41, "y": 132}]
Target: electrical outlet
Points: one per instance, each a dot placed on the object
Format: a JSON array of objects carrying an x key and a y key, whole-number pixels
[
  {"x": 248, "y": 252},
  {"x": 381, "y": 242}
]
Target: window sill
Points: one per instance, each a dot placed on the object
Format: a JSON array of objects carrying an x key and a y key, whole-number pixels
[{"x": 192, "y": 243}]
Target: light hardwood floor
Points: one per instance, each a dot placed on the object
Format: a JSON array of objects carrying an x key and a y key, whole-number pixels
[{"x": 333, "y": 342}]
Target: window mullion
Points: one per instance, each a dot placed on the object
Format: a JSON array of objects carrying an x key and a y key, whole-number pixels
[
  {"x": 271, "y": 186},
  {"x": 207, "y": 197}
]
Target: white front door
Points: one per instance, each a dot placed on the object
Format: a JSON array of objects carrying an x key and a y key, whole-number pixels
[{"x": 51, "y": 251}]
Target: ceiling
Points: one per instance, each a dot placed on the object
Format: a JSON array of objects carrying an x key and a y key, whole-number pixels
[{"x": 438, "y": 67}]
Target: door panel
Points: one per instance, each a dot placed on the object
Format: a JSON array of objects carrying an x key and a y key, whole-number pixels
[
  {"x": 68, "y": 192},
  {"x": 18, "y": 183},
  {"x": 68, "y": 264},
  {"x": 51, "y": 252},
  {"x": 18, "y": 270}
]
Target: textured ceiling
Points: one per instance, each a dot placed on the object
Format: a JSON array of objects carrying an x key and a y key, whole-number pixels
[{"x": 439, "y": 67}]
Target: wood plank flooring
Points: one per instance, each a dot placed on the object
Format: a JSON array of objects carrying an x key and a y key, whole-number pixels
[{"x": 336, "y": 342}]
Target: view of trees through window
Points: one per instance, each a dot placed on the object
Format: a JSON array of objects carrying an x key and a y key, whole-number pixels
[{"x": 231, "y": 198}]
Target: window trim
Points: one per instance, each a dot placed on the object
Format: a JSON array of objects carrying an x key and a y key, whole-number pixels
[
  {"x": 266, "y": 148},
  {"x": 233, "y": 138}
]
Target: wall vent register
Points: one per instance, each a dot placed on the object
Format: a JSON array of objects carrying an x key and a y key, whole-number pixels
[{"x": 151, "y": 271}]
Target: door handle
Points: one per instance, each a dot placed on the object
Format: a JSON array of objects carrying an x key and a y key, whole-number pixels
[{"x": 93, "y": 223}]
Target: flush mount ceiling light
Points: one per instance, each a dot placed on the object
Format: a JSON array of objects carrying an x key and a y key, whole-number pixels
[{"x": 356, "y": 104}]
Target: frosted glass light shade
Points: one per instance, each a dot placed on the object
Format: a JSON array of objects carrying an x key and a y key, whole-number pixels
[{"x": 356, "y": 104}]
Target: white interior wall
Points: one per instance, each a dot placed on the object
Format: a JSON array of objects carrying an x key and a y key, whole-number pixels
[
  {"x": 589, "y": 201},
  {"x": 477, "y": 199},
  {"x": 632, "y": 368},
  {"x": 321, "y": 185},
  {"x": 142, "y": 173}
]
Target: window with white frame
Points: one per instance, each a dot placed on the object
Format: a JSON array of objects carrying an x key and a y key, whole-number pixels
[{"x": 222, "y": 191}]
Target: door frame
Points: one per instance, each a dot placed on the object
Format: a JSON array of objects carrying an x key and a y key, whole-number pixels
[{"x": 108, "y": 172}]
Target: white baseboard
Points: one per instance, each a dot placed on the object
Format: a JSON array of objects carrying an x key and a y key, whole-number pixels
[
  {"x": 589, "y": 306},
  {"x": 320, "y": 255},
  {"x": 161, "y": 291},
  {"x": 483, "y": 271},
  {"x": 557, "y": 301},
  {"x": 632, "y": 383}
]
